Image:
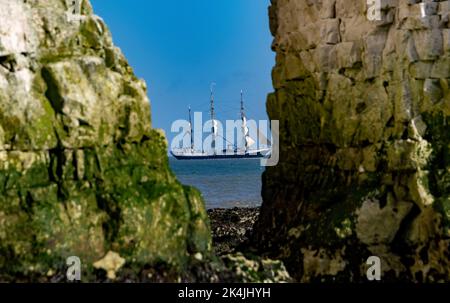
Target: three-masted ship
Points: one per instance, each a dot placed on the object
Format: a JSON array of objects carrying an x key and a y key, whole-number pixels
[{"x": 245, "y": 151}]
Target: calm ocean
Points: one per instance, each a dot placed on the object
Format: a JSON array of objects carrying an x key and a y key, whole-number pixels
[{"x": 223, "y": 183}]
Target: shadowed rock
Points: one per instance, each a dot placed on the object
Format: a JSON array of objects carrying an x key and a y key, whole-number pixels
[
  {"x": 364, "y": 141},
  {"x": 82, "y": 172}
]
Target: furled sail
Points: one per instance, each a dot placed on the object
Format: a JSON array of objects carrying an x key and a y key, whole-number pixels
[
  {"x": 215, "y": 125},
  {"x": 189, "y": 133},
  {"x": 245, "y": 129},
  {"x": 248, "y": 140}
]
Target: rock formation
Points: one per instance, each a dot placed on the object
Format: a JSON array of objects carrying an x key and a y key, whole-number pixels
[
  {"x": 363, "y": 100},
  {"x": 82, "y": 172}
]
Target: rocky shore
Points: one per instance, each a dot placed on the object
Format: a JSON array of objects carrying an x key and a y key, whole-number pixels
[
  {"x": 231, "y": 228},
  {"x": 231, "y": 231},
  {"x": 232, "y": 259}
]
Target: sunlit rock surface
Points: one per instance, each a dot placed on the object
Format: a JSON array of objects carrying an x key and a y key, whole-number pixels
[
  {"x": 81, "y": 170},
  {"x": 364, "y": 112}
]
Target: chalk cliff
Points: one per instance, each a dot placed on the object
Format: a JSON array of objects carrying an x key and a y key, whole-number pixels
[
  {"x": 365, "y": 140},
  {"x": 82, "y": 172}
]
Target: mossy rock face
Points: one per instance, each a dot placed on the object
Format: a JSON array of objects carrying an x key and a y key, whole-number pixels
[
  {"x": 82, "y": 172},
  {"x": 364, "y": 143}
]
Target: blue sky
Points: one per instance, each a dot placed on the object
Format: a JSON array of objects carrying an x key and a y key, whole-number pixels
[{"x": 180, "y": 47}]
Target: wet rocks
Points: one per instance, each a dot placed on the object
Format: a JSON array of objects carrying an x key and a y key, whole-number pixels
[
  {"x": 231, "y": 228},
  {"x": 363, "y": 106},
  {"x": 82, "y": 172}
]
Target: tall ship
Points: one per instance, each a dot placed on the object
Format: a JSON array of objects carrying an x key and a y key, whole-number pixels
[{"x": 234, "y": 151}]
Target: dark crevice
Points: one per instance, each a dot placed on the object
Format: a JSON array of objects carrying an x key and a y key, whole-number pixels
[
  {"x": 384, "y": 199},
  {"x": 391, "y": 122},
  {"x": 26, "y": 203},
  {"x": 52, "y": 92},
  {"x": 56, "y": 174},
  {"x": 114, "y": 212},
  {"x": 399, "y": 245},
  {"x": 8, "y": 62},
  {"x": 360, "y": 107}
]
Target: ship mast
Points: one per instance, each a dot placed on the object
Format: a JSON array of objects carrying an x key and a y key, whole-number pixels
[
  {"x": 213, "y": 128},
  {"x": 191, "y": 130},
  {"x": 242, "y": 106},
  {"x": 244, "y": 122}
]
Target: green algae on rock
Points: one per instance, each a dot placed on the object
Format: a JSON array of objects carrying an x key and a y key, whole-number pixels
[
  {"x": 364, "y": 141},
  {"x": 81, "y": 170}
]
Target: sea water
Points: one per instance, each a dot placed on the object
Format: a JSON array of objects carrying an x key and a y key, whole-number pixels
[{"x": 224, "y": 183}]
